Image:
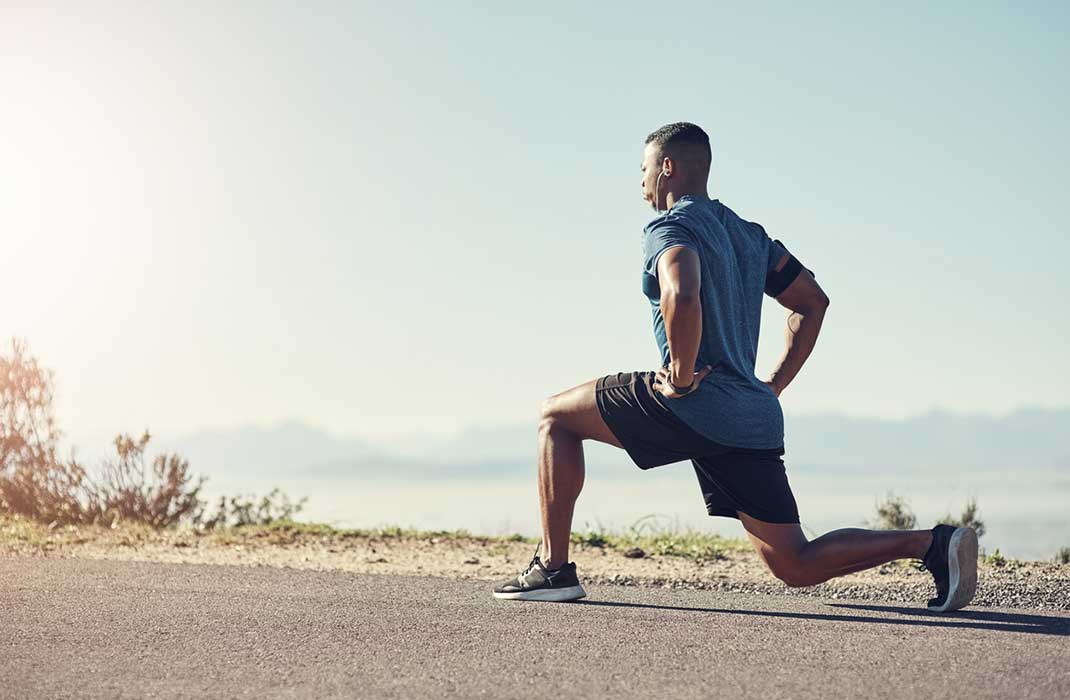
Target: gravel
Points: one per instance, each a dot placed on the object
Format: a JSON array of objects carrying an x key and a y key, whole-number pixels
[{"x": 1001, "y": 583}]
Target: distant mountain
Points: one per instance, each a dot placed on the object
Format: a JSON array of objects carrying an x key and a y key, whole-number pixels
[
  {"x": 1033, "y": 437},
  {"x": 1028, "y": 437},
  {"x": 1025, "y": 439},
  {"x": 286, "y": 448},
  {"x": 474, "y": 444},
  {"x": 297, "y": 450}
]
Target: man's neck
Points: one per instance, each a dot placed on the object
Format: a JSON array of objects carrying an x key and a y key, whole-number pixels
[{"x": 671, "y": 198}]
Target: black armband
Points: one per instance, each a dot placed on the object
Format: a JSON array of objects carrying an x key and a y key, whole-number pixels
[{"x": 778, "y": 280}]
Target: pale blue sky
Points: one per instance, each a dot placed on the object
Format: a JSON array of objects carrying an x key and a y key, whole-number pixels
[{"x": 390, "y": 218}]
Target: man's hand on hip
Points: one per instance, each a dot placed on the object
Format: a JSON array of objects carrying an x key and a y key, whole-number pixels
[{"x": 664, "y": 387}]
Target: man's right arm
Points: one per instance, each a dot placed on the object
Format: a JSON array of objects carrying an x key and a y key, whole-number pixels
[{"x": 808, "y": 303}]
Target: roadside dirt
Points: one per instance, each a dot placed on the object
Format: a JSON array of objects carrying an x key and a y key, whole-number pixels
[{"x": 1007, "y": 584}]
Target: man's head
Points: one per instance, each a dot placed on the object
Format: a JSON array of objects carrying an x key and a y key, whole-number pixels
[{"x": 676, "y": 159}]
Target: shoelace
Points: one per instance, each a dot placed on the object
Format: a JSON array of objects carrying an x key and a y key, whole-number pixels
[
  {"x": 941, "y": 586},
  {"x": 533, "y": 563}
]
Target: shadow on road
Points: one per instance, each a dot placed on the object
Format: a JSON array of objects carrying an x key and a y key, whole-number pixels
[
  {"x": 1039, "y": 624},
  {"x": 965, "y": 619}
]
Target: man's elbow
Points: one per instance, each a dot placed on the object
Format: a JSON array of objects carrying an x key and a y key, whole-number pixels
[{"x": 812, "y": 304}]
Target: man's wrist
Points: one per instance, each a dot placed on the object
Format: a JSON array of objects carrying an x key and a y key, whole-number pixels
[
  {"x": 683, "y": 390},
  {"x": 678, "y": 376},
  {"x": 677, "y": 380}
]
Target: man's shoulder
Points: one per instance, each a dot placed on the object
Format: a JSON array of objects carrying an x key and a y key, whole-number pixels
[
  {"x": 671, "y": 228},
  {"x": 683, "y": 215},
  {"x": 663, "y": 221}
]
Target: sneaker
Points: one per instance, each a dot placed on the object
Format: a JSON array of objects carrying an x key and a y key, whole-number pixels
[
  {"x": 952, "y": 560},
  {"x": 536, "y": 582}
]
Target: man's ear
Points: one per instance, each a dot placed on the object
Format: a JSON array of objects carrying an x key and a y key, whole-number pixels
[{"x": 667, "y": 166}]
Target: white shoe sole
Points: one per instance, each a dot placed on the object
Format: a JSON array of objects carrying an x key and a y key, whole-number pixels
[
  {"x": 962, "y": 570},
  {"x": 551, "y": 594}
]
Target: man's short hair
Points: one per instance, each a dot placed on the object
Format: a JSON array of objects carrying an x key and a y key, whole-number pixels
[{"x": 679, "y": 134}]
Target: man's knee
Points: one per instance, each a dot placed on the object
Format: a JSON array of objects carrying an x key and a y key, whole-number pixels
[
  {"x": 783, "y": 548},
  {"x": 575, "y": 413},
  {"x": 546, "y": 408},
  {"x": 550, "y": 416},
  {"x": 790, "y": 569}
]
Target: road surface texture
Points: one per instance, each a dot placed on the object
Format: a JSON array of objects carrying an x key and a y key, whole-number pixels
[{"x": 76, "y": 628}]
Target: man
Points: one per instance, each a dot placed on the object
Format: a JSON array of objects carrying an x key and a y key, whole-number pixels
[{"x": 705, "y": 273}]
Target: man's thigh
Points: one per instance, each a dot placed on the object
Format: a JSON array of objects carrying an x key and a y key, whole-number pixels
[{"x": 576, "y": 410}]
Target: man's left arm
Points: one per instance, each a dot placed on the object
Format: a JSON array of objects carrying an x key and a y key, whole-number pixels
[{"x": 680, "y": 278}]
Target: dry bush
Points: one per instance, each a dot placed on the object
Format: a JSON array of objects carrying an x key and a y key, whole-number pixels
[
  {"x": 33, "y": 481},
  {"x": 37, "y": 484},
  {"x": 159, "y": 495}
]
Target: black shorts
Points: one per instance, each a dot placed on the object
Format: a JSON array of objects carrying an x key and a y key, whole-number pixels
[{"x": 731, "y": 478}]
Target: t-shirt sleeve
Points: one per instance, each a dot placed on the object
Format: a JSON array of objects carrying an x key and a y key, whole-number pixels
[
  {"x": 660, "y": 239},
  {"x": 775, "y": 248},
  {"x": 777, "y": 251}
]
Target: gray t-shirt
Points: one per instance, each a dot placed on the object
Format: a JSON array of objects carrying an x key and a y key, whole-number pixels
[{"x": 731, "y": 405}]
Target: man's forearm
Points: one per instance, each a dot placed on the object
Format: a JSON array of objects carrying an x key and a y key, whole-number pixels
[
  {"x": 800, "y": 337},
  {"x": 683, "y": 328}
]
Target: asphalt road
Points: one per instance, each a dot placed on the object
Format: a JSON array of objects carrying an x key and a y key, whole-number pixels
[{"x": 106, "y": 629}]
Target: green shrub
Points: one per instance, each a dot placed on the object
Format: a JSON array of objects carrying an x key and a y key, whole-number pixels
[
  {"x": 1063, "y": 556},
  {"x": 238, "y": 511},
  {"x": 893, "y": 514},
  {"x": 969, "y": 518},
  {"x": 996, "y": 558}
]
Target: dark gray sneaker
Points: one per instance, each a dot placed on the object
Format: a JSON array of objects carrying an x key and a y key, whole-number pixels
[
  {"x": 952, "y": 560},
  {"x": 536, "y": 582}
]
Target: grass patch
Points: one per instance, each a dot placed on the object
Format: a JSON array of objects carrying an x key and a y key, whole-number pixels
[
  {"x": 17, "y": 531},
  {"x": 652, "y": 535},
  {"x": 646, "y": 537}
]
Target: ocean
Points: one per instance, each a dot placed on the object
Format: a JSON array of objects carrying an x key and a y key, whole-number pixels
[{"x": 1026, "y": 513}]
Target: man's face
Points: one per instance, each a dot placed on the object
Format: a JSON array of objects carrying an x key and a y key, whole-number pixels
[{"x": 652, "y": 164}]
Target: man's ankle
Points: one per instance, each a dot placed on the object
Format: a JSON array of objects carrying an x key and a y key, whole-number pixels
[{"x": 927, "y": 540}]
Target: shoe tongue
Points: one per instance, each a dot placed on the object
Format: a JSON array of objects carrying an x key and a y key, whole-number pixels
[
  {"x": 535, "y": 564},
  {"x": 548, "y": 570}
]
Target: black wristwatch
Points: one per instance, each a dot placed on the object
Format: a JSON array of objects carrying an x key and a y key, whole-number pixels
[{"x": 684, "y": 390}]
